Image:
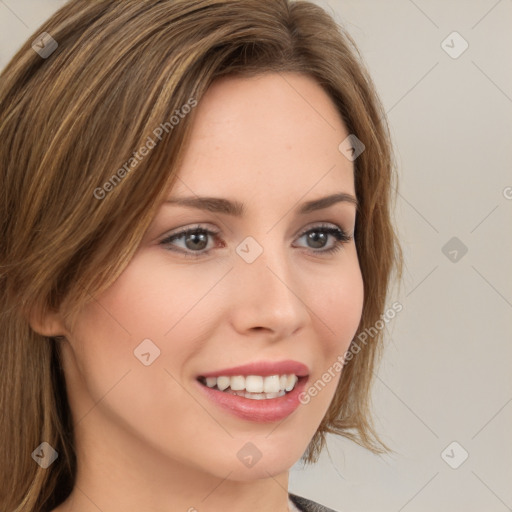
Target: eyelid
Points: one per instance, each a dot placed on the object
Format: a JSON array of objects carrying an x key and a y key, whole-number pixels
[
  {"x": 320, "y": 225},
  {"x": 215, "y": 231}
]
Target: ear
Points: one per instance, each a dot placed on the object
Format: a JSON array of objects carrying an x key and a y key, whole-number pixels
[{"x": 47, "y": 323}]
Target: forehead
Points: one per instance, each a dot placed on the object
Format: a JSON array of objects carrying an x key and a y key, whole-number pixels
[{"x": 279, "y": 128}]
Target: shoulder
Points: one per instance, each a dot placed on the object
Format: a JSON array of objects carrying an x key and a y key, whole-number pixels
[{"x": 305, "y": 505}]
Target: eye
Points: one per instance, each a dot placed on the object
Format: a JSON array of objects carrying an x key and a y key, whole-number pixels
[
  {"x": 318, "y": 237},
  {"x": 193, "y": 242}
]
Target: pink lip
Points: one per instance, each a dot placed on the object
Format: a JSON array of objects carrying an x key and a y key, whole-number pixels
[
  {"x": 263, "y": 368},
  {"x": 261, "y": 411}
]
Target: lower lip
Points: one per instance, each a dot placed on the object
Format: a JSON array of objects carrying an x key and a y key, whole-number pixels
[{"x": 261, "y": 411}]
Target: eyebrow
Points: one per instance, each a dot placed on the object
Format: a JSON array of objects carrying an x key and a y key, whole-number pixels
[{"x": 235, "y": 208}]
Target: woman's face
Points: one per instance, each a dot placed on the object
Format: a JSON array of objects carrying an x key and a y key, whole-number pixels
[{"x": 256, "y": 282}]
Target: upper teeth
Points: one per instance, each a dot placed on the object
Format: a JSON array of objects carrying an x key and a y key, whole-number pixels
[{"x": 254, "y": 383}]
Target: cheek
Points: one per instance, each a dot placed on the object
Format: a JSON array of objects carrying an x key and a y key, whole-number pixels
[
  {"x": 337, "y": 306},
  {"x": 108, "y": 379},
  {"x": 337, "y": 303},
  {"x": 146, "y": 302}
]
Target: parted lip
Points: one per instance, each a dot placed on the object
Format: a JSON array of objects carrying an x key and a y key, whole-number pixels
[{"x": 263, "y": 368}]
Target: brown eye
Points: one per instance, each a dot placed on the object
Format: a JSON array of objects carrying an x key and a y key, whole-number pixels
[
  {"x": 317, "y": 238},
  {"x": 193, "y": 242}
]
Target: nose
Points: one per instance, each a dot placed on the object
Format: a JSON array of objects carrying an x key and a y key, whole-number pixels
[{"x": 267, "y": 295}]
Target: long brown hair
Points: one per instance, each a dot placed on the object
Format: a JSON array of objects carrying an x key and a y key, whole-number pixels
[{"x": 70, "y": 120}]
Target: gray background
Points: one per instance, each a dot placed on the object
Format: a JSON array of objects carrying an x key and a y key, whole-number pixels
[{"x": 446, "y": 372}]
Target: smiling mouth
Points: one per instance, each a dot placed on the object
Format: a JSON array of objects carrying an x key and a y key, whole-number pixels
[{"x": 254, "y": 387}]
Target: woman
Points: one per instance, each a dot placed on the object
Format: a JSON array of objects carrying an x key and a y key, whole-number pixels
[{"x": 195, "y": 226}]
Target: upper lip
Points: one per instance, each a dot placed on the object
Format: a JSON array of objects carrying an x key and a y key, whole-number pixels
[{"x": 263, "y": 368}]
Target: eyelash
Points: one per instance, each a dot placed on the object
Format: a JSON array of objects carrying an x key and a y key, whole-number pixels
[{"x": 341, "y": 237}]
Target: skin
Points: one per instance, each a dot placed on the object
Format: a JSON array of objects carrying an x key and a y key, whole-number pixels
[{"x": 147, "y": 438}]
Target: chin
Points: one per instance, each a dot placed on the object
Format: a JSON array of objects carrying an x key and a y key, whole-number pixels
[{"x": 259, "y": 459}]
